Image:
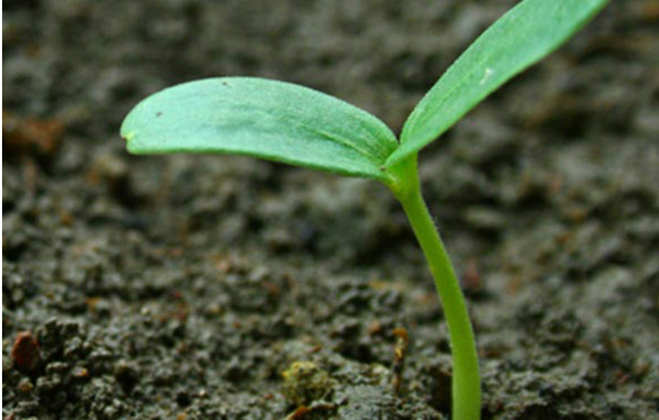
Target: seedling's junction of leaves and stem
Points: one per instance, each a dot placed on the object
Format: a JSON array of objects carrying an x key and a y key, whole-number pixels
[{"x": 289, "y": 123}]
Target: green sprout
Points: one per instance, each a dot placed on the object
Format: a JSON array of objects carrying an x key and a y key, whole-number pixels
[{"x": 289, "y": 123}]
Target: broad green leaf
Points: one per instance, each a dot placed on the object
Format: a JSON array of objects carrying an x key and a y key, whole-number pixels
[
  {"x": 261, "y": 118},
  {"x": 524, "y": 35}
]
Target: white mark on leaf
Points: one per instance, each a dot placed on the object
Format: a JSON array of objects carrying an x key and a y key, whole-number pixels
[{"x": 488, "y": 73}]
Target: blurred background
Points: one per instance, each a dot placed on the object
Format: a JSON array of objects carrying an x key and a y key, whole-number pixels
[{"x": 184, "y": 286}]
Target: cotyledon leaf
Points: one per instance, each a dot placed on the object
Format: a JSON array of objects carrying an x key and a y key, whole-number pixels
[
  {"x": 261, "y": 118},
  {"x": 524, "y": 35}
]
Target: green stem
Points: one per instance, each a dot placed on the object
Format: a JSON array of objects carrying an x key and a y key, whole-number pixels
[{"x": 466, "y": 390}]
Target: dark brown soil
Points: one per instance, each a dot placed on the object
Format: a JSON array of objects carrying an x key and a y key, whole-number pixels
[{"x": 182, "y": 287}]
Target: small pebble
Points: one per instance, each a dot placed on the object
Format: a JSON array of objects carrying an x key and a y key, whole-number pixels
[{"x": 25, "y": 352}]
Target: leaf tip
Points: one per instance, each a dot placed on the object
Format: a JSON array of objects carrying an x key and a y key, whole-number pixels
[{"x": 128, "y": 136}]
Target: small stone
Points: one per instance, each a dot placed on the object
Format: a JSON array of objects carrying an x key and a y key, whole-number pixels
[
  {"x": 305, "y": 382},
  {"x": 485, "y": 218},
  {"x": 80, "y": 373},
  {"x": 25, "y": 386},
  {"x": 25, "y": 352}
]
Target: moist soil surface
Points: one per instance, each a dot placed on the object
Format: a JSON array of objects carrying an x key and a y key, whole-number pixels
[{"x": 209, "y": 287}]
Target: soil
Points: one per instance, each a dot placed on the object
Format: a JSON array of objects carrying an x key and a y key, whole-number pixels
[{"x": 184, "y": 287}]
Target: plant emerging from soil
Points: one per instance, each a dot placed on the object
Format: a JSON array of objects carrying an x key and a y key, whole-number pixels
[{"x": 288, "y": 123}]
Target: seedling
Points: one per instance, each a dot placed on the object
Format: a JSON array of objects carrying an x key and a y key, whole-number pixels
[{"x": 288, "y": 123}]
